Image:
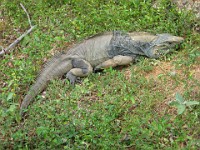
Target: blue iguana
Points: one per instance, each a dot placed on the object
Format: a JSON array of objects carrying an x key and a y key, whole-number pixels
[{"x": 101, "y": 51}]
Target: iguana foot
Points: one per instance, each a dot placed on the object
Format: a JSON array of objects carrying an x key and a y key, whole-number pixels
[
  {"x": 73, "y": 79},
  {"x": 81, "y": 68}
]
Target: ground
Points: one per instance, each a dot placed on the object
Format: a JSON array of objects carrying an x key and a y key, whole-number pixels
[{"x": 122, "y": 108}]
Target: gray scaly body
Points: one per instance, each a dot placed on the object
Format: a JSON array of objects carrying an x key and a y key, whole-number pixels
[{"x": 99, "y": 52}]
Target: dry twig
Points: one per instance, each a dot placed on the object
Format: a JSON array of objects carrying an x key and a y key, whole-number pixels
[{"x": 8, "y": 49}]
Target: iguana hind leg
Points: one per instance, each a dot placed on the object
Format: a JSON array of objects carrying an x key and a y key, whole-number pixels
[
  {"x": 81, "y": 68},
  {"x": 118, "y": 60}
]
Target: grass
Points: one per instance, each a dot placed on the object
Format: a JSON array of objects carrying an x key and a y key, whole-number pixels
[{"x": 124, "y": 108}]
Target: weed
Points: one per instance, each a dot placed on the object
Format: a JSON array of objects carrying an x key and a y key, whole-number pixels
[{"x": 181, "y": 104}]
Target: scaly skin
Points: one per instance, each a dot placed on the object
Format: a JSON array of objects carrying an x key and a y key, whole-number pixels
[{"x": 93, "y": 54}]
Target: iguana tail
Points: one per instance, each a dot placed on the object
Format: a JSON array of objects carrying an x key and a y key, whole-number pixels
[
  {"x": 38, "y": 86},
  {"x": 57, "y": 67}
]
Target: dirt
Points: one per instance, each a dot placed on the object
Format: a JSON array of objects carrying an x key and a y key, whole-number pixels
[
  {"x": 193, "y": 5},
  {"x": 173, "y": 79}
]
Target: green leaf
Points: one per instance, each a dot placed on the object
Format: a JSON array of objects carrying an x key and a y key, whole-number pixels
[
  {"x": 181, "y": 109},
  {"x": 179, "y": 98},
  {"x": 132, "y": 100},
  {"x": 10, "y": 96},
  {"x": 58, "y": 38},
  {"x": 174, "y": 103},
  {"x": 42, "y": 130},
  {"x": 37, "y": 39},
  {"x": 25, "y": 41},
  {"x": 190, "y": 103}
]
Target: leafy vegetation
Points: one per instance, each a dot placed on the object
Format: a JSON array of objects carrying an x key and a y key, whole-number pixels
[
  {"x": 117, "y": 109},
  {"x": 181, "y": 104}
]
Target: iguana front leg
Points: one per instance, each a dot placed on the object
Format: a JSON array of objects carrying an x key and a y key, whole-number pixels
[
  {"x": 81, "y": 68},
  {"x": 118, "y": 60}
]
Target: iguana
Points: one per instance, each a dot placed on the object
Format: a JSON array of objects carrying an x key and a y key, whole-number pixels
[{"x": 101, "y": 51}]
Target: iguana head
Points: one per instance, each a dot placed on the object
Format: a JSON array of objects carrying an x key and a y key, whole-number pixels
[{"x": 163, "y": 44}]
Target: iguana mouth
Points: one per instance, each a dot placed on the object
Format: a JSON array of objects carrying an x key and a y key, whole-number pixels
[
  {"x": 164, "y": 45},
  {"x": 159, "y": 51},
  {"x": 164, "y": 49}
]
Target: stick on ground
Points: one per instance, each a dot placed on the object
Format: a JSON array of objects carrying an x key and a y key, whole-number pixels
[{"x": 8, "y": 49}]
